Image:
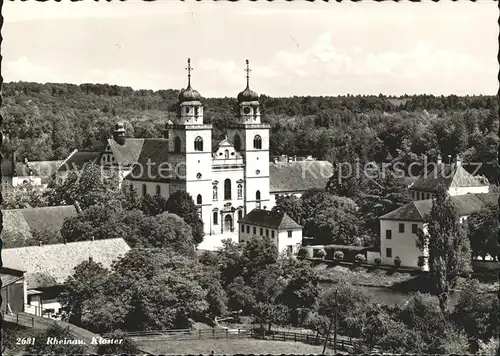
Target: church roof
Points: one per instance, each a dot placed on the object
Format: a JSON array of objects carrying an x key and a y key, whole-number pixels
[
  {"x": 298, "y": 176},
  {"x": 451, "y": 175},
  {"x": 270, "y": 219},
  {"x": 464, "y": 205},
  {"x": 51, "y": 265},
  {"x": 77, "y": 159},
  {"x": 129, "y": 152},
  {"x": 155, "y": 151}
]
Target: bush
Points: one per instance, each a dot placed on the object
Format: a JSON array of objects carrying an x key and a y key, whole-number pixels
[
  {"x": 397, "y": 262},
  {"x": 378, "y": 262},
  {"x": 338, "y": 256},
  {"x": 330, "y": 251},
  {"x": 360, "y": 258},
  {"x": 320, "y": 253},
  {"x": 302, "y": 252}
]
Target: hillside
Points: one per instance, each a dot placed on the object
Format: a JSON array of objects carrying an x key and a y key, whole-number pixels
[{"x": 47, "y": 121}]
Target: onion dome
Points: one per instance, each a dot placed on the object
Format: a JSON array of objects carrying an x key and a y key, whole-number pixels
[
  {"x": 248, "y": 94},
  {"x": 189, "y": 94}
]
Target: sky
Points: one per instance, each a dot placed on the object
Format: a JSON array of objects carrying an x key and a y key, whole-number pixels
[{"x": 294, "y": 48}]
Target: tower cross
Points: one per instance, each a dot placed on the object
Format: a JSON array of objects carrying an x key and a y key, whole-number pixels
[
  {"x": 189, "y": 69},
  {"x": 248, "y": 70}
]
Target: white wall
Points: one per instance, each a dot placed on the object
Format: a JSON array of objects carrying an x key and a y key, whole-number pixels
[
  {"x": 402, "y": 244},
  {"x": 280, "y": 239},
  {"x": 468, "y": 190}
]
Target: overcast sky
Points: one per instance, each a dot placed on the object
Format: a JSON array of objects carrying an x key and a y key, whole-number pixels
[{"x": 294, "y": 48}]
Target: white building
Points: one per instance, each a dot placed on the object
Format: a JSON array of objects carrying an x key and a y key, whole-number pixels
[
  {"x": 279, "y": 227},
  {"x": 398, "y": 229},
  {"x": 454, "y": 176}
]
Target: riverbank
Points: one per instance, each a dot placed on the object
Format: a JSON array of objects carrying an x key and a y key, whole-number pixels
[{"x": 405, "y": 282}]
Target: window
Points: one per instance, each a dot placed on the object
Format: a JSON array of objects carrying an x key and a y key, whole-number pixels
[
  {"x": 261, "y": 231},
  {"x": 402, "y": 228},
  {"x": 177, "y": 144},
  {"x": 254, "y": 230},
  {"x": 240, "y": 214},
  {"x": 272, "y": 234},
  {"x": 237, "y": 142},
  {"x": 248, "y": 229},
  {"x": 227, "y": 189},
  {"x": 158, "y": 190},
  {"x": 196, "y": 112},
  {"x": 226, "y": 154},
  {"x": 388, "y": 252},
  {"x": 257, "y": 195},
  {"x": 289, "y": 234},
  {"x": 388, "y": 234},
  {"x": 267, "y": 232},
  {"x": 257, "y": 142},
  {"x": 414, "y": 228},
  {"x": 240, "y": 191},
  {"x": 144, "y": 190},
  {"x": 418, "y": 195},
  {"x": 199, "y": 199},
  {"x": 198, "y": 144},
  {"x": 257, "y": 172},
  {"x": 216, "y": 218},
  {"x": 198, "y": 176},
  {"x": 242, "y": 228},
  {"x": 214, "y": 193}
]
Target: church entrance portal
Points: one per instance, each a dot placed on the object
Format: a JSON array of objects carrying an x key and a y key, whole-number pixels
[{"x": 228, "y": 223}]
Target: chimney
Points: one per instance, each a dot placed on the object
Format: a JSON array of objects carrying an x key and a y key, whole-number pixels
[
  {"x": 92, "y": 238},
  {"x": 439, "y": 159},
  {"x": 458, "y": 161},
  {"x": 39, "y": 243},
  {"x": 13, "y": 163},
  {"x": 119, "y": 133}
]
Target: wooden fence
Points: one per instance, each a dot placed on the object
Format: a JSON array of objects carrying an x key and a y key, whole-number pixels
[{"x": 343, "y": 343}]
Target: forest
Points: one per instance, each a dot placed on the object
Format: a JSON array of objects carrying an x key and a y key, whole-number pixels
[{"x": 48, "y": 121}]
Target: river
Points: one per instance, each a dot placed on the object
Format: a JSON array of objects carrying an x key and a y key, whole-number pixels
[{"x": 388, "y": 296}]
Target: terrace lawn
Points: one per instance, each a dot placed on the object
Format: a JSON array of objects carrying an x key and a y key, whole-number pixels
[{"x": 229, "y": 347}]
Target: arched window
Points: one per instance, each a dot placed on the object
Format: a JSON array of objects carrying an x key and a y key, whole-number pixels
[
  {"x": 144, "y": 190},
  {"x": 257, "y": 195},
  {"x": 216, "y": 218},
  {"x": 237, "y": 142},
  {"x": 227, "y": 189},
  {"x": 199, "y": 199},
  {"x": 240, "y": 191},
  {"x": 177, "y": 144},
  {"x": 198, "y": 144},
  {"x": 240, "y": 214},
  {"x": 158, "y": 190},
  {"x": 257, "y": 142},
  {"x": 214, "y": 193},
  {"x": 226, "y": 154}
]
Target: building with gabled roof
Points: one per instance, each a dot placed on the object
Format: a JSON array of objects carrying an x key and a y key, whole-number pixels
[
  {"x": 47, "y": 267},
  {"x": 19, "y": 225},
  {"x": 453, "y": 176},
  {"x": 37, "y": 173},
  {"x": 399, "y": 228},
  {"x": 285, "y": 232}
]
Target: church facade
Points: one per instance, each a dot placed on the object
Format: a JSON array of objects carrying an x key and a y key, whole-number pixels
[{"x": 226, "y": 182}]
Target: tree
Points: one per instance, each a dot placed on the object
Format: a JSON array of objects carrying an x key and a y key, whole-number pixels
[
  {"x": 240, "y": 296},
  {"x": 86, "y": 279},
  {"x": 23, "y": 196},
  {"x": 170, "y": 231},
  {"x": 490, "y": 348},
  {"x": 153, "y": 205},
  {"x": 292, "y": 206},
  {"x": 475, "y": 312},
  {"x": 447, "y": 245},
  {"x": 483, "y": 231},
  {"x": 41, "y": 345},
  {"x": 345, "y": 179},
  {"x": 181, "y": 203},
  {"x": 231, "y": 261},
  {"x": 257, "y": 254}
]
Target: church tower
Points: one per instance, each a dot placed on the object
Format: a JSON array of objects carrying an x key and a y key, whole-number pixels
[
  {"x": 251, "y": 138},
  {"x": 190, "y": 150}
]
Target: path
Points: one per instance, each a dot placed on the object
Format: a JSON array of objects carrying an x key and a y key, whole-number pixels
[{"x": 214, "y": 242}]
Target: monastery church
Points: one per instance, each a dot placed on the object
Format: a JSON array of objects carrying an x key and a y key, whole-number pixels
[{"x": 226, "y": 180}]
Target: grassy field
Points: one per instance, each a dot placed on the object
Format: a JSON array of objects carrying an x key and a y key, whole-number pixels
[{"x": 229, "y": 347}]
